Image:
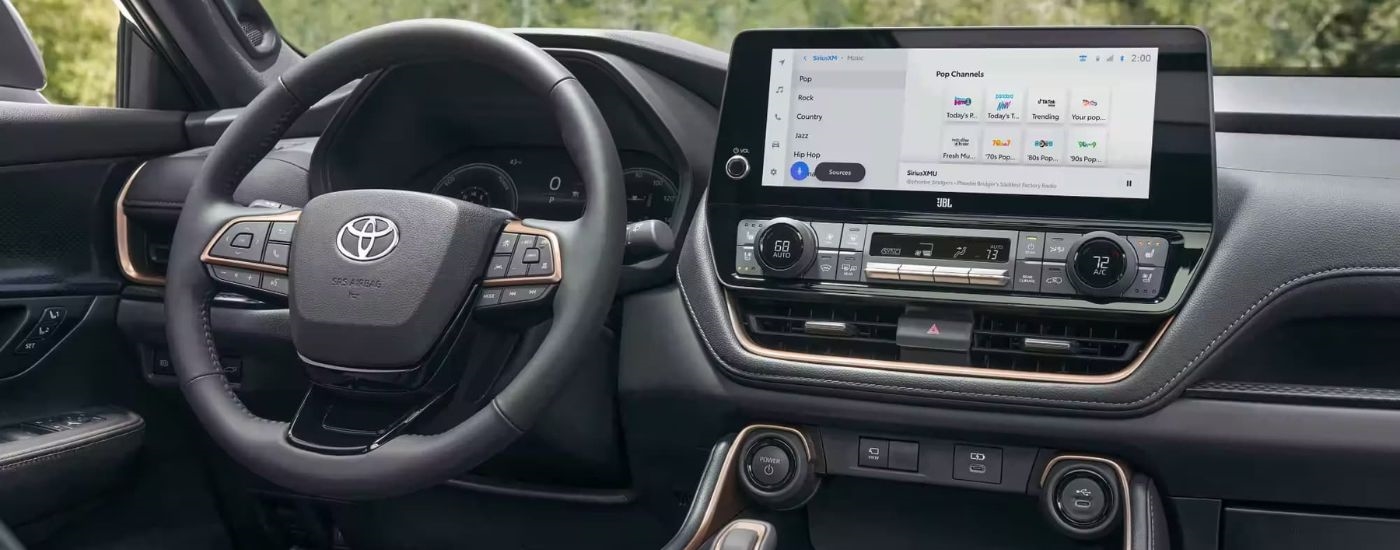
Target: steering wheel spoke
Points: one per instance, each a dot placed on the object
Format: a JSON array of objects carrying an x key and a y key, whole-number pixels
[
  {"x": 524, "y": 270},
  {"x": 340, "y": 423},
  {"x": 251, "y": 251}
]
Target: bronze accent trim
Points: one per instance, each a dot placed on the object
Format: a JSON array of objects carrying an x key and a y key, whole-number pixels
[
  {"x": 726, "y": 502},
  {"x": 757, "y": 527},
  {"x": 205, "y": 257},
  {"x": 515, "y": 226},
  {"x": 925, "y": 368},
  {"x": 1122, "y": 482},
  {"x": 128, "y": 267}
]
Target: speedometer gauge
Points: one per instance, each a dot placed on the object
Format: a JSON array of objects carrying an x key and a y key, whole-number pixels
[
  {"x": 650, "y": 195},
  {"x": 481, "y": 183}
]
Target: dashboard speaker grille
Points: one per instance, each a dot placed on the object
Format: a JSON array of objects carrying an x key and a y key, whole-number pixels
[
  {"x": 252, "y": 31},
  {"x": 1056, "y": 345},
  {"x": 866, "y": 332}
]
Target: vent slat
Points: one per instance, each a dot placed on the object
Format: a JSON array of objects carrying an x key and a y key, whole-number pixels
[
  {"x": 1098, "y": 347},
  {"x": 782, "y": 325}
]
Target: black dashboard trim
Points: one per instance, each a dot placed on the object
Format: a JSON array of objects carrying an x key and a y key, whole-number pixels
[
  {"x": 1328, "y": 455},
  {"x": 1258, "y": 257},
  {"x": 1302, "y": 394}
]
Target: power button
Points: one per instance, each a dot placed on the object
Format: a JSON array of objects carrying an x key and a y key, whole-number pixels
[
  {"x": 769, "y": 465},
  {"x": 737, "y": 167}
]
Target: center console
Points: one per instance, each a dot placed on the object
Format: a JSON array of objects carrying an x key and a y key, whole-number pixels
[{"x": 1029, "y": 204}]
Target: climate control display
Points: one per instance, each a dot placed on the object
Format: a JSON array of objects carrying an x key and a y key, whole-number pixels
[
  {"x": 780, "y": 247},
  {"x": 1100, "y": 263},
  {"x": 1097, "y": 264}
]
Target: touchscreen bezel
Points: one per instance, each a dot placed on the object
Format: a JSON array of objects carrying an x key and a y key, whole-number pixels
[{"x": 1183, "y": 150}]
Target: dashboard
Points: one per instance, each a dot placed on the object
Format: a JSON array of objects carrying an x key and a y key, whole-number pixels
[
  {"x": 1262, "y": 300},
  {"x": 542, "y": 183}
]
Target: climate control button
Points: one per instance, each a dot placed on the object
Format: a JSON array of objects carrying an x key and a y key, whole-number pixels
[
  {"x": 785, "y": 248},
  {"x": 1102, "y": 264}
]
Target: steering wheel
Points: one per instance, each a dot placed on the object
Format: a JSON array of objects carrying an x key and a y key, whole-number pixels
[{"x": 385, "y": 287}]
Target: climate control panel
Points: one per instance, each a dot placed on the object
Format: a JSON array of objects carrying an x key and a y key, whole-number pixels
[{"x": 1091, "y": 263}]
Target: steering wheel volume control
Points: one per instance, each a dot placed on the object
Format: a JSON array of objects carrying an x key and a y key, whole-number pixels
[{"x": 785, "y": 248}]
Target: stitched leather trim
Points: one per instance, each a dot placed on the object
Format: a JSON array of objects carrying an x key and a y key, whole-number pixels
[
  {"x": 70, "y": 450},
  {"x": 134, "y": 424},
  {"x": 1246, "y": 391}
]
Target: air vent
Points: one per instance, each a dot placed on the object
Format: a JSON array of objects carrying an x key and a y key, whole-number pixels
[
  {"x": 1056, "y": 345},
  {"x": 839, "y": 330}
]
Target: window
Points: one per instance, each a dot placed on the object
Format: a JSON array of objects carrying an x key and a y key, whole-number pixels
[
  {"x": 78, "y": 39},
  {"x": 1353, "y": 37}
]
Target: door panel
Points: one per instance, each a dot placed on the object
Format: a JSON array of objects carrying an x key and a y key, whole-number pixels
[{"x": 78, "y": 423}]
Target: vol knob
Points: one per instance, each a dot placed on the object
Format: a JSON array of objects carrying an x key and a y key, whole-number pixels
[{"x": 785, "y": 248}]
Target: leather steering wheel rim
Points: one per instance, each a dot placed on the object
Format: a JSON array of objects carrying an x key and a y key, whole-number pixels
[{"x": 591, "y": 249}]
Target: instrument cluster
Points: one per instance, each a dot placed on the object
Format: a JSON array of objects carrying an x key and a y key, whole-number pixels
[{"x": 543, "y": 183}]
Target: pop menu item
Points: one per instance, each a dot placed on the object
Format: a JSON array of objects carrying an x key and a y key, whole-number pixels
[{"x": 1074, "y": 122}]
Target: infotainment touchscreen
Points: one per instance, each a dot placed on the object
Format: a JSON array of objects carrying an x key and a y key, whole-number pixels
[
  {"x": 1095, "y": 123},
  {"x": 1074, "y": 122}
]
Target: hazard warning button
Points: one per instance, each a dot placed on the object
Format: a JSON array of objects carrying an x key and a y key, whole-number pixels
[{"x": 945, "y": 331}]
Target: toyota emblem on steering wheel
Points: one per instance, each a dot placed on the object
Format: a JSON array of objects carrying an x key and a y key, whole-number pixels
[{"x": 367, "y": 238}]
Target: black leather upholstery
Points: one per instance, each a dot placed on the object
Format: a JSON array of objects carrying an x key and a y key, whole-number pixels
[
  {"x": 1258, "y": 257},
  {"x": 710, "y": 478},
  {"x": 46, "y": 473},
  {"x": 591, "y": 260},
  {"x": 1149, "y": 516}
]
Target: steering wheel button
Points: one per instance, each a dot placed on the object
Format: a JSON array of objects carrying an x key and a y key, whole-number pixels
[
  {"x": 544, "y": 267},
  {"x": 500, "y": 264},
  {"x": 518, "y": 294},
  {"x": 531, "y": 256},
  {"x": 243, "y": 241},
  {"x": 506, "y": 244},
  {"x": 489, "y": 297},
  {"x": 282, "y": 232},
  {"x": 276, "y": 284},
  {"x": 518, "y": 267},
  {"x": 276, "y": 254},
  {"x": 236, "y": 276}
]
